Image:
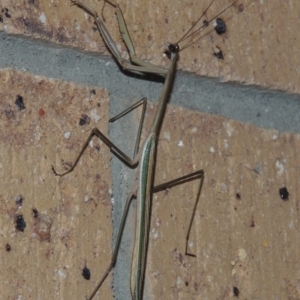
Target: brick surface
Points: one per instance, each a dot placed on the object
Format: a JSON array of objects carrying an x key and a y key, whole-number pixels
[{"x": 72, "y": 228}]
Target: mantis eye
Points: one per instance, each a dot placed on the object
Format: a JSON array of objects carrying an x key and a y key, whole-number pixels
[{"x": 174, "y": 48}]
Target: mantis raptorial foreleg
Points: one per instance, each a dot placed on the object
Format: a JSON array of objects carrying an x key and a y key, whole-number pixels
[{"x": 135, "y": 64}]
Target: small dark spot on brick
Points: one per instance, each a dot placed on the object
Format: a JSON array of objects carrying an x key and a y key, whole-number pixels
[
  {"x": 238, "y": 196},
  {"x": 284, "y": 194},
  {"x": 236, "y": 291},
  {"x": 20, "y": 102},
  {"x": 85, "y": 119},
  {"x": 220, "y": 26},
  {"x": 218, "y": 53},
  {"x": 35, "y": 213},
  {"x": 86, "y": 273},
  {"x": 20, "y": 223},
  {"x": 7, "y": 247},
  {"x": 6, "y": 13}
]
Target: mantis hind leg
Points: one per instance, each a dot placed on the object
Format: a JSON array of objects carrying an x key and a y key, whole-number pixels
[
  {"x": 118, "y": 241},
  {"x": 192, "y": 176}
]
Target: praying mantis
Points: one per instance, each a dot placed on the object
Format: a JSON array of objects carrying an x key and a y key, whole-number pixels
[{"x": 144, "y": 157}]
